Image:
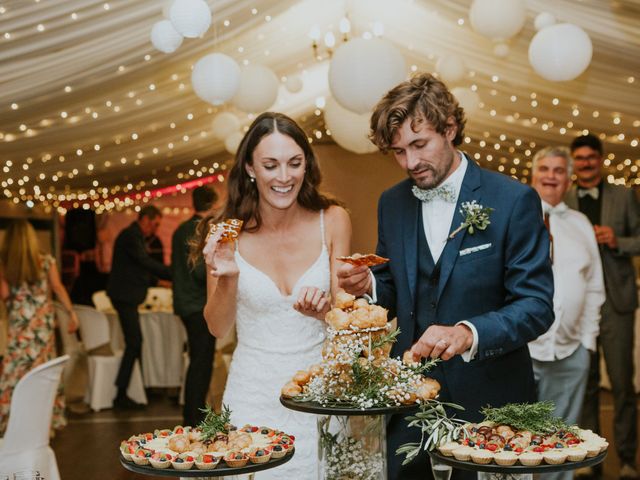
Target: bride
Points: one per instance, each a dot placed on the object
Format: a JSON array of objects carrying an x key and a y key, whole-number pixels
[{"x": 275, "y": 282}]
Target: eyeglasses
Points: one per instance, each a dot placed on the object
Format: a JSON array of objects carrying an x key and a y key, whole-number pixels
[{"x": 587, "y": 158}]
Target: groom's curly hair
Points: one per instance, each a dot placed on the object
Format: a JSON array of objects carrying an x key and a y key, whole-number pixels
[{"x": 424, "y": 98}]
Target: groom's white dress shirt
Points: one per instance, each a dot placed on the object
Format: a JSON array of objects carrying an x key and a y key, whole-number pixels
[{"x": 579, "y": 286}]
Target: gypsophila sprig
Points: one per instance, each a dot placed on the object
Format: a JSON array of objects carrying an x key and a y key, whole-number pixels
[
  {"x": 213, "y": 422},
  {"x": 535, "y": 417},
  {"x": 476, "y": 217}
]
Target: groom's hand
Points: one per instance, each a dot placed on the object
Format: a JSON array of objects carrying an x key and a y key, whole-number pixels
[
  {"x": 443, "y": 342},
  {"x": 354, "y": 280}
]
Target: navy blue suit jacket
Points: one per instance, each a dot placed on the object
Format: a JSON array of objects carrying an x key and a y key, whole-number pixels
[{"x": 505, "y": 290}]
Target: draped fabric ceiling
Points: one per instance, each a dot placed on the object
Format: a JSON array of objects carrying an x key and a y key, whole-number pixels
[{"x": 89, "y": 106}]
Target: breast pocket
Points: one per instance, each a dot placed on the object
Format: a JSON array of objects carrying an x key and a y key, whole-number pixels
[{"x": 475, "y": 252}]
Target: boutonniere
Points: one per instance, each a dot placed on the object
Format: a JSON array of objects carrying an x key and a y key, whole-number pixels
[{"x": 476, "y": 217}]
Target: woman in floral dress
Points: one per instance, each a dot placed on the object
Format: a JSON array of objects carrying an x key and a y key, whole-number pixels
[{"x": 27, "y": 279}]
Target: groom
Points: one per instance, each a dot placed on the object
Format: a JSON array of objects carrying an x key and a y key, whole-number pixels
[{"x": 473, "y": 296}]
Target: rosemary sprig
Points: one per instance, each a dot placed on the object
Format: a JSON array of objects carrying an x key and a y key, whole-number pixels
[
  {"x": 387, "y": 338},
  {"x": 215, "y": 423},
  {"x": 534, "y": 417}
]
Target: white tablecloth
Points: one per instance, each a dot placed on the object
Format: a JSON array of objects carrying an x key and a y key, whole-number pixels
[{"x": 163, "y": 340}]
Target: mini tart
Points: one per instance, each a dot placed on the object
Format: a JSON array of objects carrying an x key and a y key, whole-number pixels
[
  {"x": 278, "y": 451},
  {"x": 554, "y": 457},
  {"x": 482, "y": 457},
  {"x": 127, "y": 450},
  {"x": 505, "y": 458},
  {"x": 160, "y": 460},
  {"x": 183, "y": 462},
  {"x": 530, "y": 459},
  {"x": 463, "y": 453},
  {"x": 141, "y": 457},
  {"x": 207, "y": 462},
  {"x": 447, "y": 449},
  {"x": 603, "y": 445},
  {"x": 236, "y": 459},
  {"x": 576, "y": 454},
  {"x": 592, "y": 448},
  {"x": 260, "y": 455}
]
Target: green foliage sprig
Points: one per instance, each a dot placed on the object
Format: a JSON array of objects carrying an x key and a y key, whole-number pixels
[
  {"x": 215, "y": 423},
  {"x": 534, "y": 417}
]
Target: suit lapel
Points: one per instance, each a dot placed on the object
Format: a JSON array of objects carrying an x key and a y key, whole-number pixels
[
  {"x": 607, "y": 205},
  {"x": 468, "y": 193},
  {"x": 410, "y": 237},
  {"x": 571, "y": 198}
]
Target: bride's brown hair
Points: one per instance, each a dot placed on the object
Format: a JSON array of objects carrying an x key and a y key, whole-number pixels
[{"x": 243, "y": 199}]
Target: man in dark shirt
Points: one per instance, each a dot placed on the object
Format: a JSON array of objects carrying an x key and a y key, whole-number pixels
[
  {"x": 189, "y": 298},
  {"x": 130, "y": 277},
  {"x": 613, "y": 210}
]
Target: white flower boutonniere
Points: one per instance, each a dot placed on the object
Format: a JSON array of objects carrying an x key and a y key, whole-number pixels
[{"x": 475, "y": 217}]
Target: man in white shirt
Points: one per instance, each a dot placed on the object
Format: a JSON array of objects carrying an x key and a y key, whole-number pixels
[{"x": 561, "y": 355}]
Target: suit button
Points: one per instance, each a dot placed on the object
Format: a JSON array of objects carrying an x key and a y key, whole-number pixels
[
  {"x": 433, "y": 304},
  {"x": 411, "y": 314}
]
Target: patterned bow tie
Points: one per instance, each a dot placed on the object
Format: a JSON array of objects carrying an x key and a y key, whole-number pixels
[
  {"x": 444, "y": 192},
  {"x": 593, "y": 192}
]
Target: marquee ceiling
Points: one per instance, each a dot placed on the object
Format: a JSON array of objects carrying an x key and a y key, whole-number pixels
[{"x": 89, "y": 106}]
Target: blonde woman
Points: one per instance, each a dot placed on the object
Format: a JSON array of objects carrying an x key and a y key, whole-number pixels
[{"x": 27, "y": 279}]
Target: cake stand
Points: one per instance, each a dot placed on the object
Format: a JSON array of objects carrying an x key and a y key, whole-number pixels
[
  {"x": 219, "y": 471},
  {"x": 351, "y": 442},
  {"x": 493, "y": 471}
]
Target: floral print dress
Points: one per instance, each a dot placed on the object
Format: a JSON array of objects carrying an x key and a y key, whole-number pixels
[{"x": 30, "y": 342}]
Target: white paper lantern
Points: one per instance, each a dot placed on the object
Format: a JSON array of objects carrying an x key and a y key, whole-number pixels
[
  {"x": 232, "y": 142},
  {"x": 362, "y": 71},
  {"x": 451, "y": 68},
  {"x": 191, "y": 18},
  {"x": 215, "y": 78},
  {"x": 165, "y": 37},
  {"x": 166, "y": 8},
  {"x": 497, "y": 19},
  {"x": 544, "y": 20},
  {"x": 293, "y": 84},
  {"x": 258, "y": 89},
  {"x": 224, "y": 124},
  {"x": 349, "y": 130},
  {"x": 467, "y": 98},
  {"x": 560, "y": 52}
]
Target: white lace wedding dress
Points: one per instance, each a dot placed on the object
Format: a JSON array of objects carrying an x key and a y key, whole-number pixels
[{"x": 274, "y": 341}]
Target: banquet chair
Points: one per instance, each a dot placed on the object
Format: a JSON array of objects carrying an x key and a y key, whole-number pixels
[
  {"x": 101, "y": 301},
  {"x": 25, "y": 446},
  {"x": 70, "y": 346},
  {"x": 103, "y": 363}
]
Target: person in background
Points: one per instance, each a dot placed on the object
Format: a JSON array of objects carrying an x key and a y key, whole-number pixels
[
  {"x": 189, "y": 298},
  {"x": 614, "y": 213},
  {"x": 131, "y": 272},
  {"x": 561, "y": 355},
  {"x": 27, "y": 279}
]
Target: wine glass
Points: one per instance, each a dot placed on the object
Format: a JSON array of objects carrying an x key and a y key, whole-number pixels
[{"x": 441, "y": 471}]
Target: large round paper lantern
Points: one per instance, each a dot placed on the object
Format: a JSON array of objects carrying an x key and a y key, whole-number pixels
[
  {"x": 258, "y": 89},
  {"x": 215, "y": 78},
  {"x": 348, "y": 129},
  {"x": 560, "y": 52},
  {"x": 467, "y": 98},
  {"x": 232, "y": 142},
  {"x": 451, "y": 68},
  {"x": 224, "y": 124},
  {"x": 497, "y": 19},
  {"x": 191, "y": 18},
  {"x": 293, "y": 84},
  {"x": 165, "y": 37},
  {"x": 362, "y": 71}
]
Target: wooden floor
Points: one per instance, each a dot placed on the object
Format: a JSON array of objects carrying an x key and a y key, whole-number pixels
[{"x": 88, "y": 447}]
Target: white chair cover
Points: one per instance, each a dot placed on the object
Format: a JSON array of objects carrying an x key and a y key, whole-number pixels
[
  {"x": 25, "y": 446},
  {"x": 94, "y": 327},
  {"x": 101, "y": 301},
  {"x": 70, "y": 345}
]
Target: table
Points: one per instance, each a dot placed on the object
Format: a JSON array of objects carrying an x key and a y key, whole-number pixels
[
  {"x": 163, "y": 349},
  {"x": 350, "y": 441}
]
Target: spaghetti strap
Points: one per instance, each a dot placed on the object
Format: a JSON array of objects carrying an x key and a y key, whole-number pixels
[{"x": 324, "y": 244}]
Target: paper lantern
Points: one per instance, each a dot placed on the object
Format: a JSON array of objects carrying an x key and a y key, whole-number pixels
[
  {"x": 348, "y": 129},
  {"x": 544, "y": 20},
  {"x": 258, "y": 89},
  {"x": 497, "y": 19},
  {"x": 362, "y": 71},
  {"x": 467, "y": 98},
  {"x": 232, "y": 142},
  {"x": 293, "y": 84},
  {"x": 560, "y": 52},
  {"x": 501, "y": 50},
  {"x": 191, "y": 18},
  {"x": 451, "y": 68},
  {"x": 215, "y": 78},
  {"x": 165, "y": 37},
  {"x": 224, "y": 124},
  {"x": 166, "y": 8}
]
